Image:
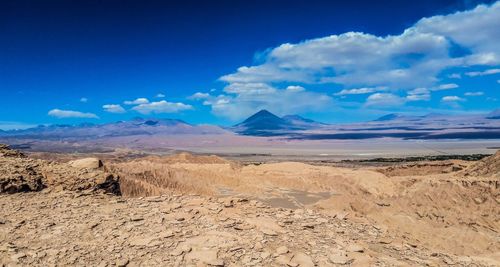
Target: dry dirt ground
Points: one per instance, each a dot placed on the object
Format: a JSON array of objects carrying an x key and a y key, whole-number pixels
[{"x": 187, "y": 210}]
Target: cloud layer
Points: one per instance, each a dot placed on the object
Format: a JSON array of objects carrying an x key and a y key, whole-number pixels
[
  {"x": 59, "y": 113},
  {"x": 452, "y": 98},
  {"x": 482, "y": 73},
  {"x": 243, "y": 99},
  {"x": 381, "y": 67},
  {"x": 138, "y": 101},
  {"x": 113, "y": 108},
  {"x": 429, "y": 63},
  {"x": 162, "y": 106}
]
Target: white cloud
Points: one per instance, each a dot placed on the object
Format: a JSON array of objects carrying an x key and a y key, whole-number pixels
[
  {"x": 445, "y": 87},
  {"x": 482, "y": 73},
  {"x": 295, "y": 88},
  {"x": 418, "y": 97},
  {"x": 356, "y": 58},
  {"x": 378, "y": 100},
  {"x": 419, "y": 94},
  {"x": 475, "y": 30},
  {"x": 419, "y": 91},
  {"x": 161, "y": 107},
  {"x": 265, "y": 73},
  {"x": 249, "y": 88},
  {"x": 236, "y": 106},
  {"x": 59, "y": 113},
  {"x": 452, "y": 98},
  {"x": 217, "y": 102},
  {"x": 455, "y": 76},
  {"x": 412, "y": 59},
  {"x": 474, "y": 93},
  {"x": 113, "y": 108},
  {"x": 199, "y": 95},
  {"x": 84, "y": 100},
  {"x": 138, "y": 101},
  {"x": 160, "y": 95},
  {"x": 360, "y": 91}
]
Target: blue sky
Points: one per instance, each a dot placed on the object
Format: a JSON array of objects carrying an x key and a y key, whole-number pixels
[{"x": 220, "y": 61}]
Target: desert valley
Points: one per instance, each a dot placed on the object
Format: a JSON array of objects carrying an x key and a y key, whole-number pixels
[{"x": 264, "y": 134}]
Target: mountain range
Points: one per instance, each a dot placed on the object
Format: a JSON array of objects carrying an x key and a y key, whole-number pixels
[
  {"x": 136, "y": 126},
  {"x": 494, "y": 114},
  {"x": 266, "y": 124}
]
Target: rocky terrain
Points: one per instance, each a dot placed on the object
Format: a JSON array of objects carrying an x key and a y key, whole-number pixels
[
  {"x": 19, "y": 173},
  {"x": 189, "y": 210},
  {"x": 68, "y": 228}
]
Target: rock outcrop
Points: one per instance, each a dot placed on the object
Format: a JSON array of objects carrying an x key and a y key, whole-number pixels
[
  {"x": 19, "y": 173},
  {"x": 6, "y": 151}
]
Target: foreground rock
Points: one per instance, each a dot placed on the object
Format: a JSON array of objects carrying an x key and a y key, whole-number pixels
[
  {"x": 6, "y": 152},
  {"x": 19, "y": 173},
  {"x": 85, "y": 174}
]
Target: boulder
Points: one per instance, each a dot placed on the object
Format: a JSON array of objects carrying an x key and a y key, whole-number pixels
[{"x": 86, "y": 163}]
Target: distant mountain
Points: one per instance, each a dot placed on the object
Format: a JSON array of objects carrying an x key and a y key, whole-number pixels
[
  {"x": 494, "y": 115},
  {"x": 263, "y": 120},
  {"x": 265, "y": 123},
  {"x": 433, "y": 115},
  {"x": 136, "y": 126},
  {"x": 389, "y": 117},
  {"x": 401, "y": 117},
  {"x": 299, "y": 120}
]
